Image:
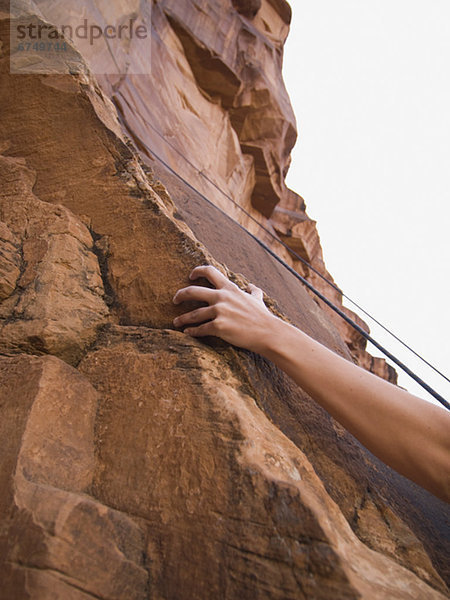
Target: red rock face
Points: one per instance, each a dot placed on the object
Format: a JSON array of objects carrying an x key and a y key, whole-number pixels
[
  {"x": 216, "y": 110},
  {"x": 137, "y": 463}
]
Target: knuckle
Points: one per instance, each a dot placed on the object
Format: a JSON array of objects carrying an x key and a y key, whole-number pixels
[
  {"x": 229, "y": 286},
  {"x": 189, "y": 291},
  {"x": 226, "y": 293},
  {"x": 219, "y": 324},
  {"x": 219, "y": 309}
]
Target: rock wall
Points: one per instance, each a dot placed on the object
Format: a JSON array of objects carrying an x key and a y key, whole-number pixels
[
  {"x": 216, "y": 110},
  {"x": 138, "y": 463}
]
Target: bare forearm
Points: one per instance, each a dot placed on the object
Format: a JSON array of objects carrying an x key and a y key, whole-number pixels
[{"x": 409, "y": 434}]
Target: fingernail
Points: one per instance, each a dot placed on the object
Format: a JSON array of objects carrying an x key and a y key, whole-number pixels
[
  {"x": 174, "y": 299},
  {"x": 176, "y": 321}
]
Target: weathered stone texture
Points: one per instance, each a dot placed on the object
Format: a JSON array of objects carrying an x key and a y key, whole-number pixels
[
  {"x": 53, "y": 298},
  {"x": 217, "y": 470},
  {"x": 136, "y": 462},
  {"x": 9, "y": 261},
  {"x": 58, "y": 541},
  {"x": 216, "y": 77}
]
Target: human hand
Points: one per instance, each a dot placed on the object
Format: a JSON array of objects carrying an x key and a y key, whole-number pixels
[{"x": 238, "y": 317}]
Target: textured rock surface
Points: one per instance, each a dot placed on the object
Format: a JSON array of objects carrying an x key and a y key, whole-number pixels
[
  {"x": 155, "y": 466},
  {"x": 216, "y": 77},
  {"x": 10, "y": 261},
  {"x": 201, "y": 441},
  {"x": 59, "y": 542},
  {"x": 52, "y": 289}
]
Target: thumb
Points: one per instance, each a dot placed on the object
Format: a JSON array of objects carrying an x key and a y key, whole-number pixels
[{"x": 255, "y": 291}]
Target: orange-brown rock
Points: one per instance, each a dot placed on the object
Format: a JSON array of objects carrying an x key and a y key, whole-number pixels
[
  {"x": 9, "y": 261},
  {"x": 154, "y": 465},
  {"x": 53, "y": 296},
  {"x": 216, "y": 77},
  {"x": 202, "y": 440},
  {"x": 56, "y": 540},
  {"x": 214, "y": 74}
]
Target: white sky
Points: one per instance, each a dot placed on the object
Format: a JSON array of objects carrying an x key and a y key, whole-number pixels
[{"x": 370, "y": 86}]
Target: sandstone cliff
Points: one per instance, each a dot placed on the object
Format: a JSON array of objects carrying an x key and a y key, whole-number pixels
[{"x": 138, "y": 463}]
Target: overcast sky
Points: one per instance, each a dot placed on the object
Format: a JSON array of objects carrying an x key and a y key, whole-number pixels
[{"x": 370, "y": 86}]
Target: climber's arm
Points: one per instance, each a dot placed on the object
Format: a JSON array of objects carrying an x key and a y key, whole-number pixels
[
  {"x": 407, "y": 433},
  {"x": 410, "y": 435}
]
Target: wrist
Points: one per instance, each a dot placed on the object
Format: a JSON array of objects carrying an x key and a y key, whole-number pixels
[{"x": 270, "y": 337}]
